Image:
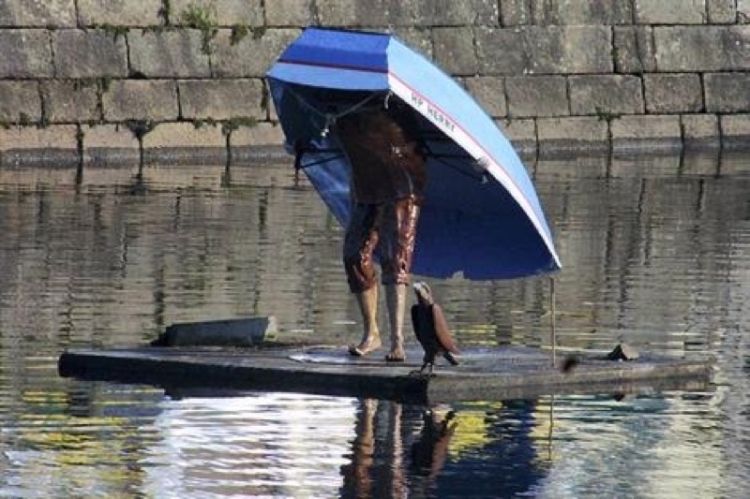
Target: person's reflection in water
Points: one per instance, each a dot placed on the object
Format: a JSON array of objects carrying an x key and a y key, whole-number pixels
[
  {"x": 391, "y": 439},
  {"x": 376, "y": 469},
  {"x": 357, "y": 479}
]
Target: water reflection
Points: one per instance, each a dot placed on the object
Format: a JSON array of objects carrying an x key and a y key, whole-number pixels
[
  {"x": 409, "y": 451},
  {"x": 259, "y": 445},
  {"x": 287, "y": 445},
  {"x": 656, "y": 252}
]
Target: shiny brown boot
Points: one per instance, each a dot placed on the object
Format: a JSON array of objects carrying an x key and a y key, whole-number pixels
[
  {"x": 395, "y": 298},
  {"x": 368, "y": 306}
]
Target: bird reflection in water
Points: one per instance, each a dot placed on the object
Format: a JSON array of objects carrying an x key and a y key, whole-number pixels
[
  {"x": 429, "y": 452},
  {"x": 398, "y": 450}
]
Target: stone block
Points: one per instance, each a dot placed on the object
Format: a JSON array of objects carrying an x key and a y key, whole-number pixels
[
  {"x": 250, "y": 57},
  {"x": 105, "y": 145},
  {"x": 20, "y": 102},
  {"x": 31, "y": 137},
  {"x": 178, "y": 53},
  {"x": 489, "y": 91},
  {"x": 184, "y": 143},
  {"x": 440, "y": 13},
  {"x": 654, "y": 133},
  {"x": 221, "y": 99},
  {"x": 119, "y": 12},
  {"x": 743, "y": 11},
  {"x": 28, "y": 145},
  {"x": 700, "y": 131},
  {"x": 501, "y": 51},
  {"x": 148, "y": 100},
  {"x": 530, "y": 96},
  {"x": 419, "y": 39},
  {"x": 570, "y": 49},
  {"x": 262, "y": 134},
  {"x": 521, "y": 133},
  {"x": 220, "y": 12},
  {"x": 702, "y": 48},
  {"x": 722, "y": 11},
  {"x": 262, "y": 140},
  {"x": 39, "y": 14},
  {"x": 580, "y": 12},
  {"x": 548, "y": 50},
  {"x": 89, "y": 54},
  {"x": 572, "y": 135},
  {"x": 108, "y": 136},
  {"x": 345, "y": 12},
  {"x": 71, "y": 101},
  {"x": 183, "y": 134},
  {"x": 634, "y": 49},
  {"x": 638, "y": 162},
  {"x": 673, "y": 93},
  {"x": 515, "y": 13},
  {"x": 381, "y": 13},
  {"x": 727, "y": 92},
  {"x": 734, "y": 161},
  {"x": 605, "y": 95},
  {"x": 702, "y": 162},
  {"x": 670, "y": 12},
  {"x": 454, "y": 50},
  {"x": 735, "y": 132},
  {"x": 26, "y": 54},
  {"x": 290, "y": 13}
]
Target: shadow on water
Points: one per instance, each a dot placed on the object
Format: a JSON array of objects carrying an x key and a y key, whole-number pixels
[{"x": 655, "y": 252}]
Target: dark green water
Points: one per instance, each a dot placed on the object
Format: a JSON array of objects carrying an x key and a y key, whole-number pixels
[{"x": 656, "y": 253}]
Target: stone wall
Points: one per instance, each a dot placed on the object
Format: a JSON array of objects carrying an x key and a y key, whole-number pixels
[{"x": 92, "y": 81}]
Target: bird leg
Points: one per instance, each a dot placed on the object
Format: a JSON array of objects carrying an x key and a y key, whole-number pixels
[
  {"x": 368, "y": 306},
  {"x": 395, "y": 299},
  {"x": 420, "y": 371}
]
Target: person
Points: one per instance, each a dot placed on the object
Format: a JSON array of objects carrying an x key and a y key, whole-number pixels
[{"x": 388, "y": 175}]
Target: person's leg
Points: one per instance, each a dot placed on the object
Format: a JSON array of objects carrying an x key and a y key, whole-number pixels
[
  {"x": 359, "y": 241},
  {"x": 398, "y": 233},
  {"x": 395, "y": 300},
  {"x": 368, "y": 307}
]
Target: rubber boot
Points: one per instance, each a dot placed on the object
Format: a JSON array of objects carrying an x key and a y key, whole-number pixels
[
  {"x": 368, "y": 306},
  {"x": 395, "y": 299}
]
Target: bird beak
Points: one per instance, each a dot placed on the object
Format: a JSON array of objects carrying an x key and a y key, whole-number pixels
[{"x": 421, "y": 289}]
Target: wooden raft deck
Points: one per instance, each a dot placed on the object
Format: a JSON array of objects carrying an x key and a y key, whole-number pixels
[{"x": 484, "y": 374}]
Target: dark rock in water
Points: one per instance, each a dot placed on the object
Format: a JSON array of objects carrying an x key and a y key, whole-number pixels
[{"x": 623, "y": 352}]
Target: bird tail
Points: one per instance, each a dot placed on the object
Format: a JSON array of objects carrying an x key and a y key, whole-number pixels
[{"x": 450, "y": 358}]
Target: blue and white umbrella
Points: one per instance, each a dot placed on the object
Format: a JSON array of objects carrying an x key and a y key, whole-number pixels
[{"x": 480, "y": 216}]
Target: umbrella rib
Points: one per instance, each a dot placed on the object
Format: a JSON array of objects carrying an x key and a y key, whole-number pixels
[
  {"x": 440, "y": 158},
  {"x": 331, "y": 117},
  {"x": 323, "y": 160}
]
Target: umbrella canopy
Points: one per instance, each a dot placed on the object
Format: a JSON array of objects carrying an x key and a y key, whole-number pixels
[{"x": 480, "y": 215}]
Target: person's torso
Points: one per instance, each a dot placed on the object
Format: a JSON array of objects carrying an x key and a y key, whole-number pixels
[{"x": 386, "y": 158}]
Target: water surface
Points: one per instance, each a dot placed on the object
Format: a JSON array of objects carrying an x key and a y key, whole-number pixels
[{"x": 655, "y": 252}]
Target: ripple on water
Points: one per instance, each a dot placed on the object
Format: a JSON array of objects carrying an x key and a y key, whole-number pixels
[{"x": 263, "y": 444}]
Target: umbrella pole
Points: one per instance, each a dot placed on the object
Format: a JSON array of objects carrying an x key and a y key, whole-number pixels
[{"x": 553, "y": 333}]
